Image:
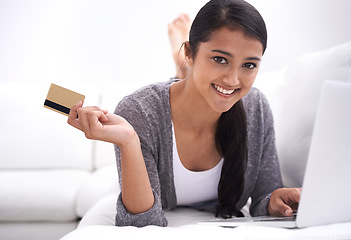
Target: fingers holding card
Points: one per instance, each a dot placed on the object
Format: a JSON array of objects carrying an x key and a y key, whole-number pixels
[{"x": 73, "y": 118}]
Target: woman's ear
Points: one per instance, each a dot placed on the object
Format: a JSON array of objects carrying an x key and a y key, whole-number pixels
[{"x": 188, "y": 54}]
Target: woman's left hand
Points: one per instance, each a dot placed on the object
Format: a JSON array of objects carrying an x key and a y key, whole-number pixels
[{"x": 284, "y": 201}]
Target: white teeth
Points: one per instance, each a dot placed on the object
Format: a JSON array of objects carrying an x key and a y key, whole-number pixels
[{"x": 222, "y": 90}]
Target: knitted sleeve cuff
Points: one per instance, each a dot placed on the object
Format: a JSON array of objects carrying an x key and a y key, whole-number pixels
[{"x": 154, "y": 216}]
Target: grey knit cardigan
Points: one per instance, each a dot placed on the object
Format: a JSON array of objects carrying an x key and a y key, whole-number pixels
[{"x": 148, "y": 111}]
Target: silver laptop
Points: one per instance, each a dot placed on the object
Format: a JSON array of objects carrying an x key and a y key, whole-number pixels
[{"x": 326, "y": 193}]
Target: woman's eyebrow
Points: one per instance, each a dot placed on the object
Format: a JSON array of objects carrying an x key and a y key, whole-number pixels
[
  {"x": 230, "y": 55},
  {"x": 222, "y": 52},
  {"x": 253, "y": 58}
]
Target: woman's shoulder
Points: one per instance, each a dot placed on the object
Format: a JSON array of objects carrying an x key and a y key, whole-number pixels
[
  {"x": 147, "y": 106},
  {"x": 148, "y": 97},
  {"x": 255, "y": 99},
  {"x": 153, "y": 91},
  {"x": 257, "y": 107},
  {"x": 148, "y": 111}
]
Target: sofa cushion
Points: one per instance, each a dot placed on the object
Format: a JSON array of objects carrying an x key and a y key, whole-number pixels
[
  {"x": 294, "y": 96},
  {"x": 102, "y": 213},
  {"x": 100, "y": 183},
  {"x": 39, "y": 195},
  {"x": 35, "y": 230},
  {"x": 34, "y": 137}
]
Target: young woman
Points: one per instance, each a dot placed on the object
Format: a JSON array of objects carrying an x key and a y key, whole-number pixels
[{"x": 207, "y": 138}]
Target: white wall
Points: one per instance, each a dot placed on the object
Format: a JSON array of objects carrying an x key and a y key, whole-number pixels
[
  {"x": 114, "y": 40},
  {"x": 300, "y": 26}
]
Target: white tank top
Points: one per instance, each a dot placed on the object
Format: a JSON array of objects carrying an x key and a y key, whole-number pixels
[{"x": 194, "y": 187}]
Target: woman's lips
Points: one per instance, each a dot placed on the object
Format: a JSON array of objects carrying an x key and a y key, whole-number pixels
[{"x": 226, "y": 92}]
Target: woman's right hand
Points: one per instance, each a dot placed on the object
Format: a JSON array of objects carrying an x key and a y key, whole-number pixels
[{"x": 98, "y": 124}]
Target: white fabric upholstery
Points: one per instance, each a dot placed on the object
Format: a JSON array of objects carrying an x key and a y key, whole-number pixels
[
  {"x": 100, "y": 183},
  {"x": 102, "y": 213},
  {"x": 106, "y": 232},
  {"x": 40, "y": 195},
  {"x": 35, "y": 137},
  {"x": 294, "y": 93},
  {"x": 35, "y": 230},
  {"x": 43, "y": 162}
]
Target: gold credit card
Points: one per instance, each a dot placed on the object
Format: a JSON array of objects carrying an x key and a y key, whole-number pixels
[{"x": 61, "y": 100}]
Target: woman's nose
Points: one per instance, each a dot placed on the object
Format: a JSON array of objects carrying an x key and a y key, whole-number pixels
[{"x": 232, "y": 77}]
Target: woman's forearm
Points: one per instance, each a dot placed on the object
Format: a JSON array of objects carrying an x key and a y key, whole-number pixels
[
  {"x": 98, "y": 124},
  {"x": 137, "y": 193}
]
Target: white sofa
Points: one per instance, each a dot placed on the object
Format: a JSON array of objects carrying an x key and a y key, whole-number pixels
[{"x": 51, "y": 176}]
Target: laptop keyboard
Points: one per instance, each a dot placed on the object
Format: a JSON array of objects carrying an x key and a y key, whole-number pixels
[{"x": 273, "y": 219}]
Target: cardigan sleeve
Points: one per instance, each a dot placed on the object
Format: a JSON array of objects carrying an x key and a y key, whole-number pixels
[
  {"x": 130, "y": 109},
  {"x": 268, "y": 176}
]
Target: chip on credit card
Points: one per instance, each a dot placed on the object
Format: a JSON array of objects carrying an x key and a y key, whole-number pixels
[{"x": 61, "y": 100}]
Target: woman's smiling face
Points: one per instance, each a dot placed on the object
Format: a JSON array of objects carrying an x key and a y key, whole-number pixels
[{"x": 225, "y": 67}]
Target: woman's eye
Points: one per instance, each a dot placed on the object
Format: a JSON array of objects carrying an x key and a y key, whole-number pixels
[
  {"x": 220, "y": 60},
  {"x": 249, "y": 65}
]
